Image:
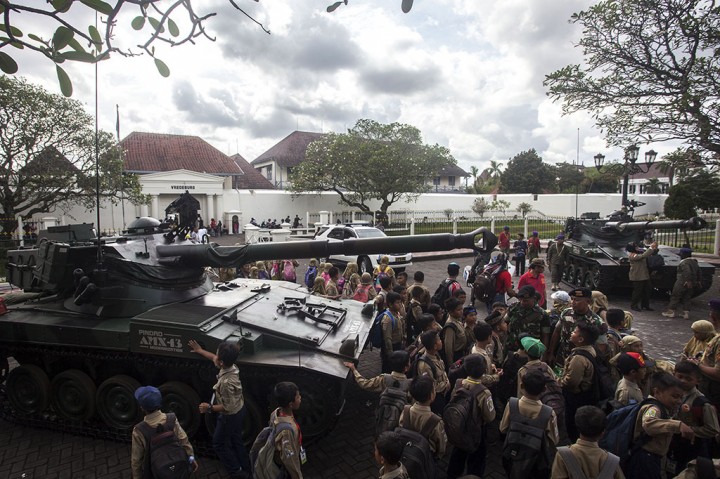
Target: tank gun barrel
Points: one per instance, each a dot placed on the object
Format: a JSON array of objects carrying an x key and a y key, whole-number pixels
[
  {"x": 695, "y": 223},
  {"x": 198, "y": 255}
]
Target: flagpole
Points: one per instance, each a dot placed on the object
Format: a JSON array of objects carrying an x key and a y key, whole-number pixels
[{"x": 122, "y": 180}]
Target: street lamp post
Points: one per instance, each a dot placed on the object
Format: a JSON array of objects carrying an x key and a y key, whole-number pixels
[{"x": 630, "y": 167}]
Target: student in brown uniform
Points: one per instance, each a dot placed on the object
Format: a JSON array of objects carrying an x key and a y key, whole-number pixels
[
  {"x": 418, "y": 279},
  {"x": 484, "y": 411},
  {"x": 423, "y": 392},
  {"x": 399, "y": 363},
  {"x": 697, "y": 412},
  {"x": 577, "y": 378},
  {"x": 455, "y": 338},
  {"x": 288, "y": 442},
  {"x": 534, "y": 350},
  {"x": 710, "y": 361},
  {"x": 393, "y": 329},
  {"x": 497, "y": 321},
  {"x": 632, "y": 367},
  {"x": 388, "y": 451},
  {"x": 432, "y": 365},
  {"x": 483, "y": 333},
  {"x": 703, "y": 332},
  {"x": 654, "y": 424},
  {"x": 585, "y": 453}
]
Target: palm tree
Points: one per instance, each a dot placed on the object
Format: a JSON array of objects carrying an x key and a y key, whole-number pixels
[
  {"x": 474, "y": 173},
  {"x": 652, "y": 186},
  {"x": 495, "y": 169}
]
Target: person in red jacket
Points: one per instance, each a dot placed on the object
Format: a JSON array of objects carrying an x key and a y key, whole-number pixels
[
  {"x": 504, "y": 241},
  {"x": 535, "y": 278}
]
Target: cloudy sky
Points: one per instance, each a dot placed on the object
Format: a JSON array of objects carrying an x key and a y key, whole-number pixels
[{"x": 467, "y": 73}]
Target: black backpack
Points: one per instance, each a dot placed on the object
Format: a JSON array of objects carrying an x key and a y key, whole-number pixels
[
  {"x": 165, "y": 457},
  {"x": 484, "y": 286},
  {"x": 417, "y": 456},
  {"x": 526, "y": 451},
  {"x": 462, "y": 417},
  {"x": 392, "y": 402},
  {"x": 552, "y": 395},
  {"x": 426, "y": 359},
  {"x": 442, "y": 292},
  {"x": 603, "y": 387}
]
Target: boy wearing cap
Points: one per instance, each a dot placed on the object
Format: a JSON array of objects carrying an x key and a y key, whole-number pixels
[
  {"x": 534, "y": 350},
  {"x": 557, "y": 256},
  {"x": 688, "y": 278},
  {"x": 230, "y": 406},
  {"x": 527, "y": 317},
  {"x": 504, "y": 241},
  {"x": 703, "y": 333},
  {"x": 535, "y": 278},
  {"x": 150, "y": 400},
  {"x": 632, "y": 367},
  {"x": 533, "y": 246}
]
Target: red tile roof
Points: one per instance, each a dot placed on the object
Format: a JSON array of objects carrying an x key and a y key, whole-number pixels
[
  {"x": 290, "y": 151},
  {"x": 156, "y": 152},
  {"x": 250, "y": 179}
]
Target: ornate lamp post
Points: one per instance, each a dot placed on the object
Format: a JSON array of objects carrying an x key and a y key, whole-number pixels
[{"x": 630, "y": 166}]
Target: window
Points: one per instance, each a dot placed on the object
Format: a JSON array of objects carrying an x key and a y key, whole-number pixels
[
  {"x": 436, "y": 181},
  {"x": 336, "y": 233},
  {"x": 268, "y": 172},
  {"x": 451, "y": 180}
]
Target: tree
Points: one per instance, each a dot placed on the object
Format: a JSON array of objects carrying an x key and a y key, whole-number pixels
[
  {"x": 21, "y": 19},
  {"x": 570, "y": 177},
  {"x": 372, "y": 161},
  {"x": 47, "y": 155},
  {"x": 701, "y": 190},
  {"x": 480, "y": 206},
  {"x": 500, "y": 205},
  {"x": 495, "y": 169},
  {"x": 526, "y": 173},
  {"x": 651, "y": 74},
  {"x": 474, "y": 173},
  {"x": 524, "y": 208},
  {"x": 653, "y": 186},
  {"x": 606, "y": 182},
  {"x": 679, "y": 163},
  {"x": 405, "y": 5}
]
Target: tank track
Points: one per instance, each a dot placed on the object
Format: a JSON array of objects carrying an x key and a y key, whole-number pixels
[{"x": 257, "y": 383}]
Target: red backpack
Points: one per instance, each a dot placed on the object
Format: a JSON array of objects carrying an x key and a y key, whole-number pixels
[
  {"x": 362, "y": 293},
  {"x": 289, "y": 271}
]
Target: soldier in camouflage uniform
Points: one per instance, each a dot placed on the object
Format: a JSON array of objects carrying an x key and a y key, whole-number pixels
[
  {"x": 527, "y": 317},
  {"x": 579, "y": 312},
  {"x": 710, "y": 362}
]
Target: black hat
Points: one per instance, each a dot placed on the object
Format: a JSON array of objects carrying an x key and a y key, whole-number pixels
[
  {"x": 526, "y": 291},
  {"x": 714, "y": 304},
  {"x": 581, "y": 293}
]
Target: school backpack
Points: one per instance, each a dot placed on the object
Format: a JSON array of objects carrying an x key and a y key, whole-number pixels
[
  {"x": 166, "y": 457},
  {"x": 552, "y": 395},
  {"x": 382, "y": 273},
  {"x": 463, "y": 421},
  {"x": 310, "y": 276},
  {"x": 457, "y": 370},
  {"x": 525, "y": 452},
  {"x": 619, "y": 434},
  {"x": 362, "y": 293},
  {"x": 376, "y": 334},
  {"x": 603, "y": 387},
  {"x": 392, "y": 402},
  {"x": 607, "y": 471},
  {"x": 417, "y": 456},
  {"x": 288, "y": 273},
  {"x": 442, "y": 292},
  {"x": 484, "y": 286},
  {"x": 262, "y": 453},
  {"x": 415, "y": 363}
]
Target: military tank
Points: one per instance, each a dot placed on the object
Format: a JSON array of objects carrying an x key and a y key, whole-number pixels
[
  {"x": 598, "y": 258},
  {"x": 95, "y": 318}
]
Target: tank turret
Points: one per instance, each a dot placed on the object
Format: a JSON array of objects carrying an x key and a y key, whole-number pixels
[
  {"x": 598, "y": 257},
  {"x": 98, "y": 317}
]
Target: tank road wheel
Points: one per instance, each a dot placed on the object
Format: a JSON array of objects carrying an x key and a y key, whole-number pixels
[
  {"x": 116, "y": 402},
  {"x": 592, "y": 279},
  {"x": 28, "y": 389},
  {"x": 319, "y": 407},
  {"x": 578, "y": 276},
  {"x": 255, "y": 420},
  {"x": 365, "y": 265},
  {"x": 73, "y": 395},
  {"x": 567, "y": 273},
  {"x": 181, "y": 399}
]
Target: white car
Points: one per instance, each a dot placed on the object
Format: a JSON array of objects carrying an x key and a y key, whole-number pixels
[{"x": 366, "y": 263}]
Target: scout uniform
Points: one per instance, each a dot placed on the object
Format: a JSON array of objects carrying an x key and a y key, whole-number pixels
[
  {"x": 697, "y": 412},
  {"x": 530, "y": 408},
  {"x": 628, "y": 391},
  {"x": 653, "y": 420},
  {"x": 577, "y": 386},
  {"x": 418, "y": 415},
  {"x": 398, "y": 472},
  {"x": 288, "y": 444},
  {"x": 567, "y": 323},
  {"x": 695, "y": 348},
  {"x": 590, "y": 458},
  {"x": 711, "y": 358},
  {"x": 442, "y": 383},
  {"x": 426, "y": 298},
  {"x": 378, "y": 383},
  {"x": 533, "y": 365},
  {"x": 393, "y": 332},
  {"x": 491, "y": 377},
  {"x": 534, "y": 321},
  {"x": 475, "y": 460},
  {"x": 455, "y": 341}
]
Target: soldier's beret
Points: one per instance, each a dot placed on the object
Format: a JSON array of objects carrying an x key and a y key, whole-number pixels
[
  {"x": 703, "y": 326},
  {"x": 581, "y": 293},
  {"x": 714, "y": 304},
  {"x": 526, "y": 291}
]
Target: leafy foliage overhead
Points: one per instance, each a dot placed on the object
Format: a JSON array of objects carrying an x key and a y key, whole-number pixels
[
  {"x": 74, "y": 40},
  {"x": 47, "y": 155},
  {"x": 699, "y": 190},
  {"x": 372, "y": 161},
  {"x": 651, "y": 72},
  {"x": 526, "y": 173}
]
